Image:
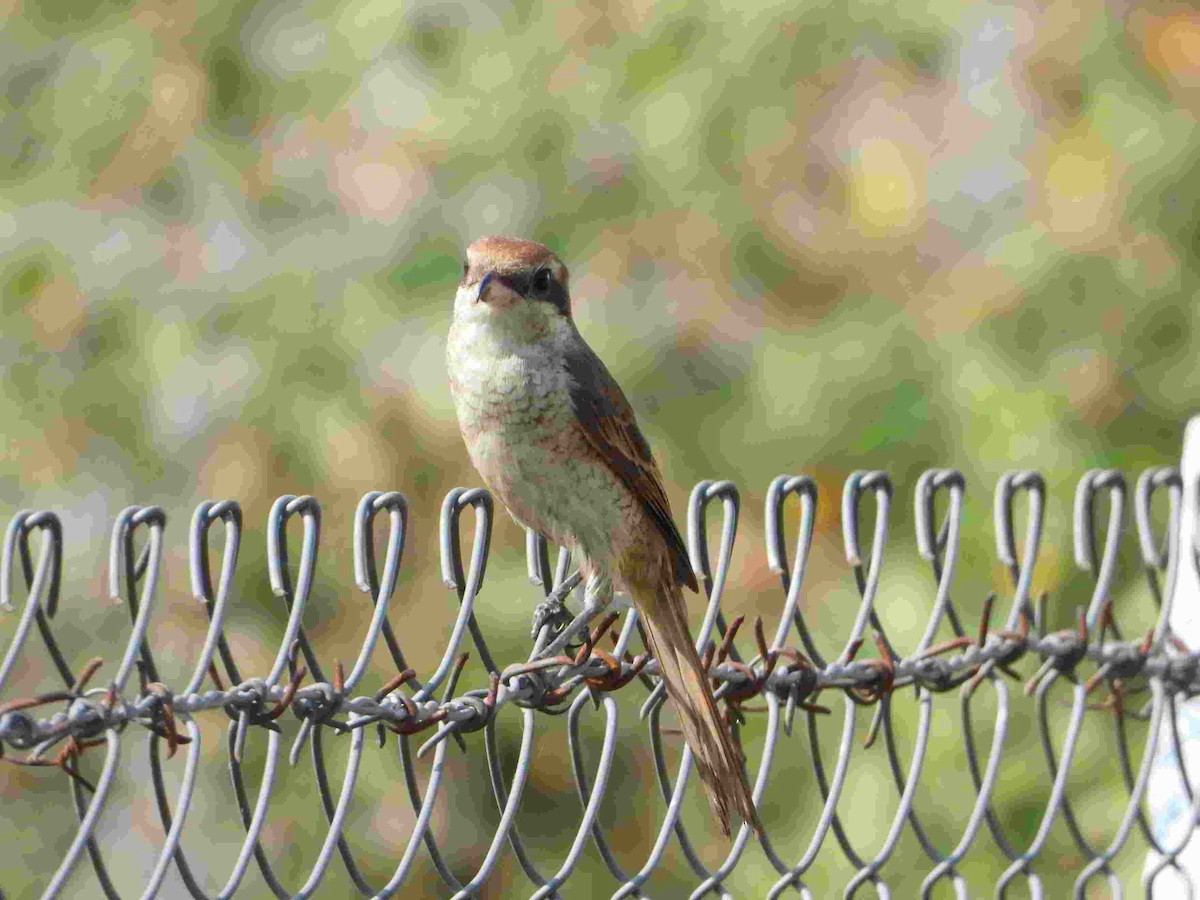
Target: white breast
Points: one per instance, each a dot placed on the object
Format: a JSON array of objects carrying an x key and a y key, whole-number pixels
[{"x": 514, "y": 407}]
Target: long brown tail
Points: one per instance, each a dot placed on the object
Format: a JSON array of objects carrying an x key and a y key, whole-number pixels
[{"x": 718, "y": 759}]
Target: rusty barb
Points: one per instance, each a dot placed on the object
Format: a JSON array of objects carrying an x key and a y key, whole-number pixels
[{"x": 787, "y": 672}]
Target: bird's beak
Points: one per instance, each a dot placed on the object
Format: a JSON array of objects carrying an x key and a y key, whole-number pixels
[{"x": 483, "y": 285}]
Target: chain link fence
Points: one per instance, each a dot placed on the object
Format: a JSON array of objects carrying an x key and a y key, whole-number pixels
[{"x": 991, "y": 666}]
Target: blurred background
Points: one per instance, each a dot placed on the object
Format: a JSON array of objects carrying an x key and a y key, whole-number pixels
[{"x": 807, "y": 239}]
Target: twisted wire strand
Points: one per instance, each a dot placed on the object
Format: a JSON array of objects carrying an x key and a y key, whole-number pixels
[{"x": 786, "y": 676}]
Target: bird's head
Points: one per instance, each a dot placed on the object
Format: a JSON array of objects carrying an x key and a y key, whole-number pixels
[{"x": 518, "y": 286}]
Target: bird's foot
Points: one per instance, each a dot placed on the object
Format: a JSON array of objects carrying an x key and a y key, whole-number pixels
[
  {"x": 552, "y": 613},
  {"x": 573, "y": 633},
  {"x": 554, "y": 628}
]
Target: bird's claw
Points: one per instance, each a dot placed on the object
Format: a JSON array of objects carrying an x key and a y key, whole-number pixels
[
  {"x": 551, "y": 612},
  {"x": 554, "y": 628},
  {"x": 573, "y": 633}
]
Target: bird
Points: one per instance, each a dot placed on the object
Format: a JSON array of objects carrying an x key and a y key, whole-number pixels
[{"x": 555, "y": 439}]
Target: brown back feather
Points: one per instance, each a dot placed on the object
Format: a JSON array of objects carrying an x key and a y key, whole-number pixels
[{"x": 611, "y": 429}]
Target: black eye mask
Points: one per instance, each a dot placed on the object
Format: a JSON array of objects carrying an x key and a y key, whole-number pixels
[{"x": 542, "y": 286}]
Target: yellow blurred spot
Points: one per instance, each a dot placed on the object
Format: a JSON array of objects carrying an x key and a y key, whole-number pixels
[
  {"x": 57, "y": 313},
  {"x": 170, "y": 345},
  {"x": 1094, "y": 389},
  {"x": 237, "y": 464},
  {"x": 887, "y": 187},
  {"x": 172, "y": 96},
  {"x": 366, "y": 26},
  {"x": 1173, "y": 46},
  {"x": 1049, "y": 574},
  {"x": 176, "y": 106},
  {"x": 669, "y": 117},
  {"x": 1079, "y": 184},
  {"x": 1075, "y": 173},
  {"x": 53, "y": 454},
  {"x": 354, "y": 459}
]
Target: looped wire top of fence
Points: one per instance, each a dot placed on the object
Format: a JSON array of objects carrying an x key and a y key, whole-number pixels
[{"x": 1139, "y": 683}]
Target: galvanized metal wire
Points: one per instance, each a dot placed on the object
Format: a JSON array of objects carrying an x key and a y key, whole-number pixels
[{"x": 1144, "y": 676}]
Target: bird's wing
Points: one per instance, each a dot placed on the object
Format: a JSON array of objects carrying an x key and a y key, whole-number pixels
[{"x": 609, "y": 424}]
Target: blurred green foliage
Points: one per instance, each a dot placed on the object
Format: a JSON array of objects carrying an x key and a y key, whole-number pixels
[{"x": 805, "y": 238}]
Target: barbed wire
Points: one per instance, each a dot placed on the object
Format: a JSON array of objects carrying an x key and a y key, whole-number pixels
[{"x": 789, "y": 677}]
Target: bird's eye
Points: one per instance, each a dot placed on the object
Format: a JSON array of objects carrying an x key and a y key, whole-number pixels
[
  {"x": 541, "y": 281},
  {"x": 466, "y": 268}
]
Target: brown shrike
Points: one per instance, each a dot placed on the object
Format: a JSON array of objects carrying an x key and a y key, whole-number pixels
[{"x": 555, "y": 439}]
